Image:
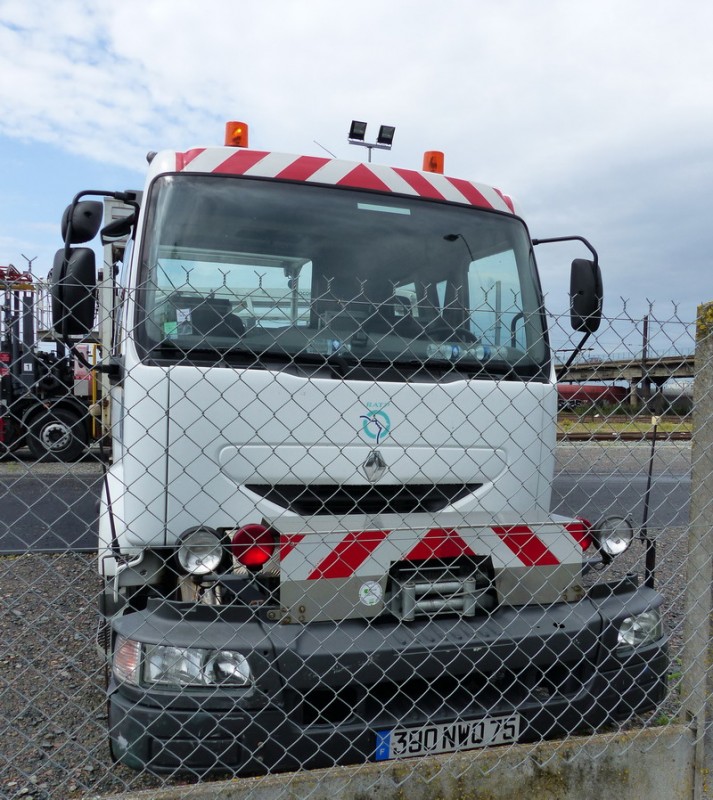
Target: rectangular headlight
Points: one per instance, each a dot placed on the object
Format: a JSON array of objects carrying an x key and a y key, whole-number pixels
[
  {"x": 640, "y": 629},
  {"x": 167, "y": 665}
]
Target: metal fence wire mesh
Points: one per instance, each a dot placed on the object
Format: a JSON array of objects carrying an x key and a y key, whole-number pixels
[{"x": 386, "y": 535}]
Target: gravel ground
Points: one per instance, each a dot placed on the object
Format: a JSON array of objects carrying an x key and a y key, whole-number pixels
[
  {"x": 52, "y": 709},
  {"x": 52, "y": 712}
]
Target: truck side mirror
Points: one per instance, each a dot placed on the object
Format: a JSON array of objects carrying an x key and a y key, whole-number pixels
[
  {"x": 86, "y": 217},
  {"x": 585, "y": 289},
  {"x": 118, "y": 228},
  {"x": 72, "y": 289}
]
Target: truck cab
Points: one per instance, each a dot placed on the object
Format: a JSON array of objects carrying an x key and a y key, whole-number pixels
[{"x": 325, "y": 534}]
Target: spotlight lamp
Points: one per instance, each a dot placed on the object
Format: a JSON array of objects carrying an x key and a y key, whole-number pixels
[
  {"x": 386, "y": 135},
  {"x": 357, "y": 135},
  {"x": 357, "y": 131}
]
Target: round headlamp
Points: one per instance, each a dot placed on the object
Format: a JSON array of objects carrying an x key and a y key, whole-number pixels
[
  {"x": 613, "y": 536},
  {"x": 200, "y": 551}
]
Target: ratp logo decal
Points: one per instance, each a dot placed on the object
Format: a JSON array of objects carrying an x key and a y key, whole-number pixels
[{"x": 376, "y": 423}]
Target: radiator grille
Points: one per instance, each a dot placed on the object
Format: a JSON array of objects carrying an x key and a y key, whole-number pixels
[{"x": 339, "y": 500}]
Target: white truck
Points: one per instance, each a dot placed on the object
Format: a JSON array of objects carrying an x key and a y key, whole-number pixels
[{"x": 325, "y": 535}]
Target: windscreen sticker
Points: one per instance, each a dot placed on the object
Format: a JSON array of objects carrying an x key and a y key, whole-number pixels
[
  {"x": 183, "y": 321},
  {"x": 181, "y": 326},
  {"x": 384, "y": 209}
]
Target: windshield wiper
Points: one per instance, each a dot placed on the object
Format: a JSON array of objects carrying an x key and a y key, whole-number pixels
[
  {"x": 338, "y": 362},
  {"x": 342, "y": 364},
  {"x": 185, "y": 351}
]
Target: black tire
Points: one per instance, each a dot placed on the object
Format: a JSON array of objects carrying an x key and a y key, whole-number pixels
[{"x": 58, "y": 435}]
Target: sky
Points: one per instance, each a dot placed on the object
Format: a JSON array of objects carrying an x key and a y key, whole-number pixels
[{"x": 596, "y": 117}]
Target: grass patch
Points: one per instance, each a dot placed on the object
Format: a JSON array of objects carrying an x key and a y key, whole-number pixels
[{"x": 597, "y": 424}]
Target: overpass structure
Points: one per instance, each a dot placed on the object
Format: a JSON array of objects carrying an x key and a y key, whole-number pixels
[{"x": 645, "y": 377}]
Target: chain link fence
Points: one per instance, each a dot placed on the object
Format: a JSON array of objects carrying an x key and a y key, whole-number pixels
[{"x": 348, "y": 557}]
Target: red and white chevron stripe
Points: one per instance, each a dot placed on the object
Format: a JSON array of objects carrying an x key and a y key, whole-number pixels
[
  {"x": 370, "y": 552},
  {"x": 313, "y": 169}
]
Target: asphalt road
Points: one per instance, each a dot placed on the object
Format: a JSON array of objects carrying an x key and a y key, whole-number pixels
[
  {"x": 594, "y": 496},
  {"x": 593, "y": 480},
  {"x": 54, "y": 507},
  {"x": 48, "y": 507}
]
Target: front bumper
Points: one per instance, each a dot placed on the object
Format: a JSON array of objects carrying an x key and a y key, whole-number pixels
[{"x": 322, "y": 690}]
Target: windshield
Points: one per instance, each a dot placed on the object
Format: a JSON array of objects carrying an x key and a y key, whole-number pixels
[{"x": 272, "y": 272}]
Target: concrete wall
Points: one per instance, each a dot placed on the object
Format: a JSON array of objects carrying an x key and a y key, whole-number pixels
[{"x": 651, "y": 764}]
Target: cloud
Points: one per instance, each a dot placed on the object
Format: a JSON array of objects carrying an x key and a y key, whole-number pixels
[
  {"x": 532, "y": 87},
  {"x": 595, "y": 116}
]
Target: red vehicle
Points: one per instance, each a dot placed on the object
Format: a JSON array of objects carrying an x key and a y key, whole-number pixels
[{"x": 574, "y": 395}]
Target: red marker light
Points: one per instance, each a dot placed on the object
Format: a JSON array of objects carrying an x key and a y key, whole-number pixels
[
  {"x": 581, "y": 531},
  {"x": 252, "y": 545}
]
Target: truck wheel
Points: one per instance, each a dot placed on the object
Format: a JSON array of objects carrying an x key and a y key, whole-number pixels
[{"x": 58, "y": 435}]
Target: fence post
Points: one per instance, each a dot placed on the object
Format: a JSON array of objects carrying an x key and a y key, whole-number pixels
[{"x": 700, "y": 546}]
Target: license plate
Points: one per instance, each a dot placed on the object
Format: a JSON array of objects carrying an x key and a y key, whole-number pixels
[{"x": 446, "y": 738}]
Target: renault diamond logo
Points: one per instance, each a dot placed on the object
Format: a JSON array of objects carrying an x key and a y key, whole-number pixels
[{"x": 374, "y": 467}]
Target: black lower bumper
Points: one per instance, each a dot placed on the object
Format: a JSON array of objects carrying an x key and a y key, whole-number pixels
[{"x": 322, "y": 691}]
